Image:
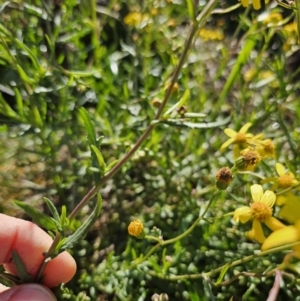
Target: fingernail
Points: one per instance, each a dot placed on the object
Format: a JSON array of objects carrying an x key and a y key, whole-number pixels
[{"x": 28, "y": 292}]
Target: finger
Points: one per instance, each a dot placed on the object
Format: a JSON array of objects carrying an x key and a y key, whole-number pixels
[
  {"x": 27, "y": 292},
  {"x": 30, "y": 242}
]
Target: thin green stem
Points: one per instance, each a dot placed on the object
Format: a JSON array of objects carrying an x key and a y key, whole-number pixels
[
  {"x": 179, "y": 237},
  {"x": 139, "y": 142},
  {"x": 219, "y": 269}
]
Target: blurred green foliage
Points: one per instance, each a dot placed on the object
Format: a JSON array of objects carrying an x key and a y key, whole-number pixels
[{"x": 114, "y": 59}]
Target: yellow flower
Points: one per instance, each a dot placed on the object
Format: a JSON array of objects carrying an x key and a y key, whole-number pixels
[
  {"x": 260, "y": 211},
  {"x": 240, "y": 139},
  {"x": 208, "y": 34},
  {"x": 135, "y": 19},
  {"x": 284, "y": 179},
  {"x": 249, "y": 159},
  {"x": 136, "y": 228},
  {"x": 272, "y": 19},
  {"x": 266, "y": 149},
  {"x": 255, "y": 3},
  {"x": 283, "y": 236},
  {"x": 290, "y": 211}
]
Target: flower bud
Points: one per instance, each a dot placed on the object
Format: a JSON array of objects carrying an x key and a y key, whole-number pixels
[
  {"x": 136, "y": 229},
  {"x": 155, "y": 297},
  {"x": 174, "y": 88},
  {"x": 223, "y": 178},
  {"x": 156, "y": 103}
]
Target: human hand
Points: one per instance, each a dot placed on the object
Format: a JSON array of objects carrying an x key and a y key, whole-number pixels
[{"x": 30, "y": 241}]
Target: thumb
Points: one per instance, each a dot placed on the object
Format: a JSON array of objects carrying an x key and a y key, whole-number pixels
[{"x": 27, "y": 292}]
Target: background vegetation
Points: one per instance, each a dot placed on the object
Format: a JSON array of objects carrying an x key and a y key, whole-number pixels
[{"x": 115, "y": 59}]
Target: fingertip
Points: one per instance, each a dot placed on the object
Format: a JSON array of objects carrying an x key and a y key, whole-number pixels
[
  {"x": 59, "y": 270},
  {"x": 28, "y": 292}
]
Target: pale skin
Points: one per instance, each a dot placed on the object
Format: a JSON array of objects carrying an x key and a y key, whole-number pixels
[{"x": 30, "y": 242}]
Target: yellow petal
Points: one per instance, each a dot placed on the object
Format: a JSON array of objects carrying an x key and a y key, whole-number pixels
[
  {"x": 245, "y": 3},
  {"x": 230, "y": 133},
  {"x": 290, "y": 212},
  {"x": 227, "y": 143},
  {"x": 281, "y": 199},
  {"x": 281, "y": 237},
  {"x": 268, "y": 198},
  {"x": 242, "y": 214},
  {"x": 257, "y": 231},
  {"x": 256, "y": 4},
  {"x": 246, "y": 127},
  {"x": 280, "y": 169},
  {"x": 256, "y": 192},
  {"x": 274, "y": 224}
]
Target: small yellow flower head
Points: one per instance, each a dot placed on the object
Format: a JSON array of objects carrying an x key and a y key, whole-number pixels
[
  {"x": 249, "y": 159},
  {"x": 256, "y": 3},
  {"x": 208, "y": 34},
  {"x": 136, "y": 229},
  {"x": 174, "y": 88},
  {"x": 272, "y": 18},
  {"x": 260, "y": 211},
  {"x": 239, "y": 137},
  {"x": 223, "y": 178},
  {"x": 285, "y": 179},
  {"x": 156, "y": 102},
  {"x": 266, "y": 149}
]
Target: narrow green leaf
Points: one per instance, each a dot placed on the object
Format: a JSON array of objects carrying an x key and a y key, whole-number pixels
[
  {"x": 29, "y": 53},
  {"x": 40, "y": 218},
  {"x": 53, "y": 209},
  {"x": 36, "y": 116},
  {"x": 12, "y": 278},
  {"x": 191, "y": 9},
  {"x": 180, "y": 103},
  {"x": 79, "y": 74},
  {"x": 223, "y": 273},
  {"x": 6, "y": 109},
  {"x": 63, "y": 217},
  {"x": 21, "y": 268},
  {"x": 194, "y": 115},
  {"x": 193, "y": 125},
  {"x": 100, "y": 161},
  {"x": 19, "y": 101},
  {"x": 72, "y": 240},
  {"x": 88, "y": 126},
  {"x": 24, "y": 76},
  {"x": 111, "y": 165}
]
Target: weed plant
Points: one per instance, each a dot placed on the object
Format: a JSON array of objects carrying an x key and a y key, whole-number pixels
[{"x": 113, "y": 119}]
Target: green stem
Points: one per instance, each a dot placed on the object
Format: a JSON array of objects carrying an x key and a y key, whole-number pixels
[
  {"x": 201, "y": 20},
  {"x": 219, "y": 269},
  {"x": 179, "y": 237}
]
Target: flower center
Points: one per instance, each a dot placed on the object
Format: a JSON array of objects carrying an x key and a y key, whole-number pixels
[
  {"x": 285, "y": 181},
  {"x": 240, "y": 138},
  {"x": 260, "y": 211},
  {"x": 269, "y": 147}
]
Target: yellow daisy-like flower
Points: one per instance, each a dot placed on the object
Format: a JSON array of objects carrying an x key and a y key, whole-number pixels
[
  {"x": 284, "y": 179},
  {"x": 256, "y": 3},
  {"x": 266, "y": 149},
  {"x": 136, "y": 228},
  {"x": 240, "y": 139},
  {"x": 260, "y": 211},
  {"x": 249, "y": 159}
]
